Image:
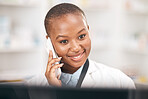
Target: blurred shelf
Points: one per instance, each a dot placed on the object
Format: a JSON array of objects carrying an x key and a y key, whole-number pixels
[
  {"x": 130, "y": 12},
  {"x": 93, "y": 9},
  {"x": 3, "y": 4},
  {"x": 19, "y": 50},
  {"x": 14, "y": 76},
  {"x": 140, "y": 83},
  {"x": 136, "y": 51}
]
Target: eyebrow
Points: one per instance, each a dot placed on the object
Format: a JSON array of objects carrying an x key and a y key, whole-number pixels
[
  {"x": 81, "y": 30},
  {"x": 60, "y": 36},
  {"x": 67, "y": 36}
]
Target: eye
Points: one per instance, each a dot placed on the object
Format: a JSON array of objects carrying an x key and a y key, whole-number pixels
[
  {"x": 64, "y": 41},
  {"x": 82, "y": 36}
]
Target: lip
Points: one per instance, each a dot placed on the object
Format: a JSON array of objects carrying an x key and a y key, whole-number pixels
[{"x": 77, "y": 57}]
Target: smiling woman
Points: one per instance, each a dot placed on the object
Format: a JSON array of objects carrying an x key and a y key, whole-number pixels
[
  {"x": 68, "y": 30},
  {"x": 70, "y": 38}
]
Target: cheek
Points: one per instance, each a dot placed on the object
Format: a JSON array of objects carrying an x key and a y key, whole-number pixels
[
  {"x": 87, "y": 45},
  {"x": 61, "y": 50}
]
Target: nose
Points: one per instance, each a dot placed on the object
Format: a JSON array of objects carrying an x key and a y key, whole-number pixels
[{"x": 75, "y": 47}]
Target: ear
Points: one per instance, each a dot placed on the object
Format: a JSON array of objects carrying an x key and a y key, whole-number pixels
[
  {"x": 88, "y": 27},
  {"x": 46, "y": 36}
]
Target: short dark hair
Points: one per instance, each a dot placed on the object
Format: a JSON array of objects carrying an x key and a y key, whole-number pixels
[{"x": 61, "y": 10}]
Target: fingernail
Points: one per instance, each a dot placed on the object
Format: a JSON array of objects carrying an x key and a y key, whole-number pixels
[
  {"x": 59, "y": 57},
  {"x": 62, "y": 64}
]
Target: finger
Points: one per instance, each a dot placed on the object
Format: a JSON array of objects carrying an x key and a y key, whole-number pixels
[
  {"x": 50, "y": 55},
  {"x": 49, "y": 65},
  {"x": 54, "y": 60},
  {"x": 53, "y": 68},
  {"x": 58, "y": 76},
  {"x": 49, "y": 59}
]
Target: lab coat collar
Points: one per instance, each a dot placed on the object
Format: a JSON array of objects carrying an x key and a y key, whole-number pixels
[
  {"x": 89, "y": 80},
  {"x": 92, "y": 68}
]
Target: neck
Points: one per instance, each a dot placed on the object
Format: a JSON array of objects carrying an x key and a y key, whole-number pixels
[{"x": 69, "y": 69}]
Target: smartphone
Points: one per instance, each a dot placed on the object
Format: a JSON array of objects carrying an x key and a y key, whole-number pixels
[{"x": 49, "y": 46}]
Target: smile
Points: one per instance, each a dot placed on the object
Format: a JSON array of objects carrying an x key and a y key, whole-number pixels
[{"x": 77, "y": 57}]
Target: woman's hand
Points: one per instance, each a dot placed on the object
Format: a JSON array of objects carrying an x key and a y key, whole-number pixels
[{"x": 51, "y": 70}]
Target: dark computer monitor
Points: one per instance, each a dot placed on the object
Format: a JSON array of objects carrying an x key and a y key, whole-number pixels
[{"x": 40, "y": 92}]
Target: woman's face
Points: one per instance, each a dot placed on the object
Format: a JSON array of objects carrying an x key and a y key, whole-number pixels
[{"x": 70, "y": 38}]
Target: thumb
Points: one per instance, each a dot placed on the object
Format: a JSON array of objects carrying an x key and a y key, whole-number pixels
[{"x": 58, "y": 76}]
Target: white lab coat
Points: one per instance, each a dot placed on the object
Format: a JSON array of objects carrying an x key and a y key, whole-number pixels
[{"x": 98, "y": 76}]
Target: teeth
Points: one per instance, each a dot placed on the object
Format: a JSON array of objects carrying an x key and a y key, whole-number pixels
[{"x": 77, "y": 56}]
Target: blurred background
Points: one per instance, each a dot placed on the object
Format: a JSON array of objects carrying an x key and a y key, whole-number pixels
[{"x": 118, "y": 29}]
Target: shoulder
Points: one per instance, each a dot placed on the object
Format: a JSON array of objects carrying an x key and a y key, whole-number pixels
[
  {"x": 111, "y": 74},
  {"x": 37, "y": 80},
  {"x": 103, "y": 67}
]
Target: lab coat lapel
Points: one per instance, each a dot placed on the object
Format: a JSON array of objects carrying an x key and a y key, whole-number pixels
[{"x": 89, "y": 79}]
